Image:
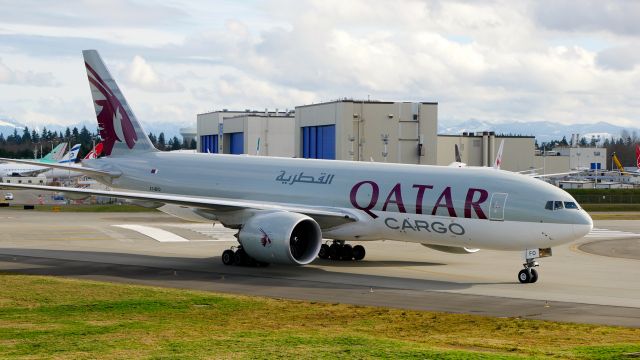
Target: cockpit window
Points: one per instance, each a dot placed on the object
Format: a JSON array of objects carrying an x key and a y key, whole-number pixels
[
  {"x": 549, "y": 205},
  {"x": 570, "y": 205},
  {"x": 557, "y": 205}
]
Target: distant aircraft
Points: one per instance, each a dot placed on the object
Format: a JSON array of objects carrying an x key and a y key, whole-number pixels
[
  {"x": 498, "y": 162},
  {"x": 284, "y": 207},
  {"x": 13, "y": 169}
]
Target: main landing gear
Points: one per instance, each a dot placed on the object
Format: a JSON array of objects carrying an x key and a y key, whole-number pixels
[
  {"x": 240, "y": 257},
  {"x": 529, "y": 274},
  {"x": 339, "y": 250}
]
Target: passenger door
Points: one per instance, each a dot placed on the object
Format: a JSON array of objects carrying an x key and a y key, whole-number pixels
[{"x": 498, "y": 201}]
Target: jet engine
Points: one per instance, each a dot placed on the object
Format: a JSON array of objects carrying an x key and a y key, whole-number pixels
[
  {"x": 451, "y": 249},
  {"x": 281, "y": 238}
]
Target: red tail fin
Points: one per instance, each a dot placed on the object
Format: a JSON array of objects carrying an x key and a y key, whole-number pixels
[
  {"x": 638, "y": 156},
  {"x": 95, "y": 152}
]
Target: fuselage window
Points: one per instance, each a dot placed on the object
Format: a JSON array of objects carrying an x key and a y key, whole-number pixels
[
  {"x": 549, "y": 205},
  {"x": 557, "y": 205},
  {"x": 570, "y": 205}
]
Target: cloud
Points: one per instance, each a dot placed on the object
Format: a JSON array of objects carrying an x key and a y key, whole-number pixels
[
  {"x": 624, "y": 57},
  {"x": 617, "y": 16},
  {"x": 141, "y": 75},
  {"x": 29, "y": 78},
  {"x": 80, "y": 13}
]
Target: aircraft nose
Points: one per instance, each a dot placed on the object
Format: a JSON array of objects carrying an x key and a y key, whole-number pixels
[{"x": 583, "y": 225}]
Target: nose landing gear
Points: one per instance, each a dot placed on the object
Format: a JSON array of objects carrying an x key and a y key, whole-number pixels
[{"x": 529, "y": 274}]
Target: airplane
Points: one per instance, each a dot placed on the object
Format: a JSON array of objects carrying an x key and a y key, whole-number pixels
[
  {"x": 12, "y": 169},
  {"x": 284, "y": 207}
]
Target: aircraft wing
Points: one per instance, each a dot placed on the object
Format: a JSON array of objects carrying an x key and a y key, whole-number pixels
[
  {"x": 80, "y": 169},
  {"x": 326, "y": 217},
  {"x": 554, "y": 174}
]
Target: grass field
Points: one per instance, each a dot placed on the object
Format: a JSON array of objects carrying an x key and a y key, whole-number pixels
[{"x": 46, "y": 317}]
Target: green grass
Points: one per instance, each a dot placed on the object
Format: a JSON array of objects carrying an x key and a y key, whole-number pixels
[
  {"x": 87, "y": 208},
  {"x": 46, "y": 317},
  {"x": 610, "y": 207}
]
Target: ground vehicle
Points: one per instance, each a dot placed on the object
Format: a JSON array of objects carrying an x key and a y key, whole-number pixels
[{"x": 8, "y": 196}]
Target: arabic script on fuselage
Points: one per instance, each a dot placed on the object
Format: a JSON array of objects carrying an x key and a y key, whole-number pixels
[{"x": 290, "y": 179}]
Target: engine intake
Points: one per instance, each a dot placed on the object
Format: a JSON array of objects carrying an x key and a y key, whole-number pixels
[{"x": 281, "y": 238}]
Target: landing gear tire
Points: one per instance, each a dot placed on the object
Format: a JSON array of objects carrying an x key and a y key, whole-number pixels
[
  {"x": 324, "y": 251},
  {"x": 228, "y": 257},
  {"x": 338, "y": 250},
  {"x": 346, "y": 253},
  {"x": 334, "y": 251},
  {"x": 534, "y": 276},
  {"x": 358, "y": 252},
  {"x": 524, "y": 276}
]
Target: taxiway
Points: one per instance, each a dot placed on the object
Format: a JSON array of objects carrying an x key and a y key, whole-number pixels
[{"x": 594, "y": 280}]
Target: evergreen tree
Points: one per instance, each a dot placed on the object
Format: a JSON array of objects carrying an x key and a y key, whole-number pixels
[
  {"x": 193, "y": 145},
  {"x": 176, "y": 143},
  {"x": 161, "y": 142}
]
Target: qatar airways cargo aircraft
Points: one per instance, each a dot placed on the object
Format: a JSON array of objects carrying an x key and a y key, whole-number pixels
[{"x": 283, "y": 208}]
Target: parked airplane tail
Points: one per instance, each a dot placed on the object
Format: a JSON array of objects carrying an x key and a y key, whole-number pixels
[
  {"x": 95, "y": 152},
  {"x": 498, "y": 162},
  {"x": 56, "y": 154},
  {"x": 119, "y": 129},
  {"x": 71, "y": 156},
  {"x": 638, "y": 156}
]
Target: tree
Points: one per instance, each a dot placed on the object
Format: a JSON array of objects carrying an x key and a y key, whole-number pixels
[
  {"x": 175, "y": 143},
  {"x": 161, "y": 142},
  {"x": 26, "y": 135},
  {"x": 193, "y": 145}
]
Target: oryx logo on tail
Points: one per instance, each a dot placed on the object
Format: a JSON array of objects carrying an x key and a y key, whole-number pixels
[{"x": 114, "y": 123}]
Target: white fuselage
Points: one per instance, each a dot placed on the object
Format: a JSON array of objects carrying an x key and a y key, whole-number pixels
[{"x": 465, "y": 207}]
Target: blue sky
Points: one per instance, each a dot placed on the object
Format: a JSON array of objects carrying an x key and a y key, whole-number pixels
[{"x": 496, "y": 61}]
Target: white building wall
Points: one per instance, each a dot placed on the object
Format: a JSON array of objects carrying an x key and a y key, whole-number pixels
[
  {"x": 362, "y": 126},
  {"x": 275, "y": 133}
]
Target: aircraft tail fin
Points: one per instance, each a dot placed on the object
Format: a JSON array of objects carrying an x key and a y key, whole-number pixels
[
  {"x": 71, "y": 156},
  {"x": 498, "y": 162},
  {"x": 119, "y": 128},
  {"x": 56, "y": 154},
  {"x": 95, "y": 152},
  {"x": 457, "y": 151},
  {"x": 638, "y": 156}
]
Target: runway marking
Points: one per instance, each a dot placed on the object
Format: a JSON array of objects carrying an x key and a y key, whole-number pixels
[
  {"x": 610, "y": 234},
  {"x": 217, "y": 231},
  {"x": 164, "y": 235},
  {"x": 154, "y": 233}
]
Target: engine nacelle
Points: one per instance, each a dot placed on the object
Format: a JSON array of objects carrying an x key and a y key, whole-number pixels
[
  {"x": 281, "y": 238},
  {"x": 451, "y": 249}
]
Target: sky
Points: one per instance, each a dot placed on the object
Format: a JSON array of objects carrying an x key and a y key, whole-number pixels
[{"x": 496, "y": 61}]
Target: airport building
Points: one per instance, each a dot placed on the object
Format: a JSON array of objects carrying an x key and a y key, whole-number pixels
[
  {"x": 380, "y": 131},
  {"x": 481, "y": 148},
  {"x": 395, "y": 132},
  {"x": 212, "y": 137},
  {"x": 566, "y": 158},
  {"x": 268, "y": 134}
]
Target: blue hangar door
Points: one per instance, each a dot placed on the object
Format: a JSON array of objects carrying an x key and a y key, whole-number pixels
[
  {"x": 209, "y": 143},
  {"x": 319, "y": 142},
  {"x": 236, "y": 143}
]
